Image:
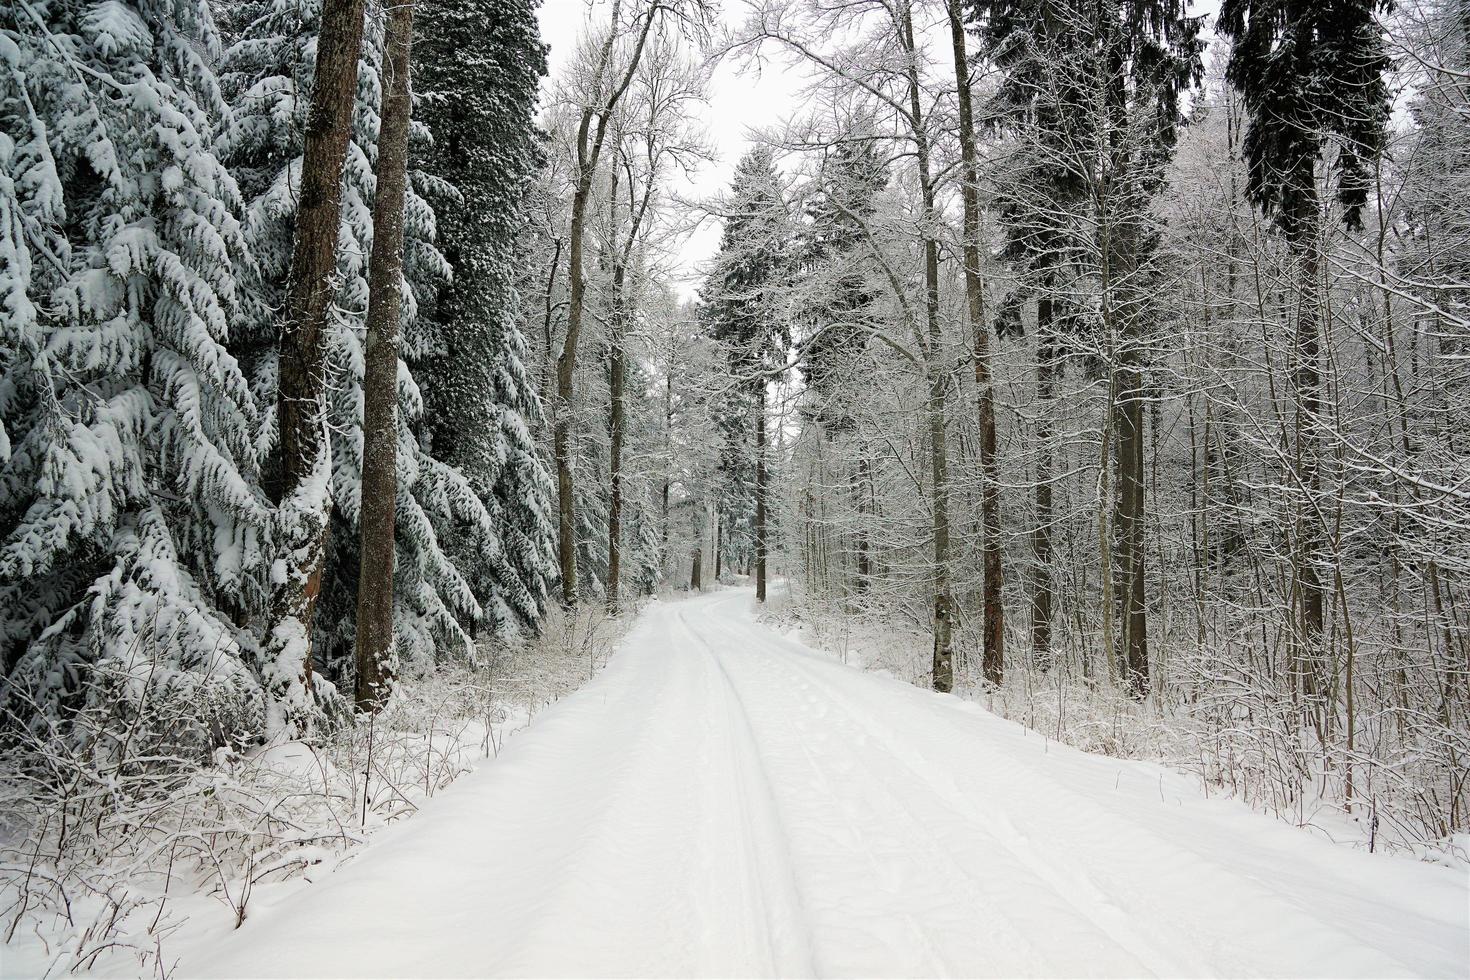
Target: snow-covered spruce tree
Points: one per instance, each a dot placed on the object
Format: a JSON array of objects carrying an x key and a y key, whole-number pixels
[
  {"x": 1096, "y": 90},
  {"x": 840, "y": 316},
  {"x": 477, "y": 68},
  {"x": 1438, "y": 188},
  {"x": 1042, "y": 104},
  {"x": 745, "y": 309},
  {"x": 648, "y": 550},
  {"x": 267, "y": 78},
  {"x": 1312, "y": 76},
  {"x": 131, "y": 520},
  {"x": 835, "y": 257},
  {"x": 734, "y": 477}
]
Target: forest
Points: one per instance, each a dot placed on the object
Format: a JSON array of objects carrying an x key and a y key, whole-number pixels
[{"x": 363, "y": 373}]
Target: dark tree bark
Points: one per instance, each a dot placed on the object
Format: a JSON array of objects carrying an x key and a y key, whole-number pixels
[
  {"x": 862, "y": 491},
  {"x": 302, "y": 402},
  {"x": 1129, "y": 527},
  {"x": 1307, "y": 379},
  {"x": 1124, "y": 203},
  {"x": 545, "y": 386},
  {"x": 617, "y": 370},
  {"x": 380, "y": 372},
  {"x": 1046, "y": 385},
  {"x": 760, "y": 493},
  {"x": 1129, "y": 397},
  {"x": 663, "y": 553},
  {"x": 931, "y": 338},
  {"x": 719, "y": 549},
  {"x": 566, "y": 365},
  {"x": 621, "y": 316},
  {"x": 993, "y": 660}
]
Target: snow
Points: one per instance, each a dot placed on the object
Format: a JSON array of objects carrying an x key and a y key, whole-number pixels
[
  {"x": 724, "y": 801},
  {"x": 116, "y": 30}
]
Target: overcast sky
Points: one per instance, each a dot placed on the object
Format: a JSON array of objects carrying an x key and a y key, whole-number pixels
[{"x": 740, "y": 100}]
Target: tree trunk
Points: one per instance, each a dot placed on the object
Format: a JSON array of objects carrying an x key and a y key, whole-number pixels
[
  {"x": 719, "y": 549},
  {"x": 760, "y": 493},
  {"x": 1307, "y": 380},
  {"x": 932, "y": 340},
  {"x": 566, "y": 365},
  {"x": 304, "y": 491},
  {"x": 1128, "y": 523},
  {"x": 1124, "y": 204},
  {"x": 864, "y": 562},
  {"x": 663, "y": 554},
  {"x": 545, "y": 385},
  {"x": 943, "y": 663},
  {"x": 1041, "y": 595},
  {"x": 1128, "y": 502},
  {"x": 694, "y": 582},
  {"x": 616, "y": 373},
  {"x": 994, "y": 642},
  {"x": 380, "y": 373}
]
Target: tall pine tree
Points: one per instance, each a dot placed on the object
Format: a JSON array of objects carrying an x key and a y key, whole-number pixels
[
  {"x": 1095, "y": 92},
  {"x": 478, "y": 65},
  {"x": 268, "y": 76},
  {"x": 744, "y": 307},
  {"x": 1312, "y": 75}
]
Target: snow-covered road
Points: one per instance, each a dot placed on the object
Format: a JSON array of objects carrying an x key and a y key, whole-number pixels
[{"x": 723, "y": 801}]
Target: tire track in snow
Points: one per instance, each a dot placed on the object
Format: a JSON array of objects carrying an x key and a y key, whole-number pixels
[
  {"x": 1172, "y": 904},
  {"x": 761, "y": 758},
  {"x": 571, "y": 886},
  {"x": 986, "y": 877},
  {"x": 773, "y": 892},
  {"x": 1012, "y": 857},
  {"x": 722, "y": 801}
]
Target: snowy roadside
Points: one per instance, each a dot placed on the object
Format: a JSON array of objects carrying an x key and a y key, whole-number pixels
[
  {"x": 723, "y": 802},
  {"x": 1107, "y": 722},
  {"x": 123, "y": 867}
]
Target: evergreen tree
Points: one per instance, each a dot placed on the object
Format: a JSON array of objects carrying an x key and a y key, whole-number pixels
[
  {"x": 743, "y": 297},
  {"x": 734, "y": 479},
  {"x": 837, "y": 260},
  {"x": 1312, "y": 75},
  {"x": 1095, "y": 91},
  {"x": 478, "y": 65},
  {"x": 1437, "y": 192},
  {"x": 1042, "y": 103},
  {"x": 268, "y": 72},
  {"x": 834, "y": 255},
  {"x": 131, "y": 521}
]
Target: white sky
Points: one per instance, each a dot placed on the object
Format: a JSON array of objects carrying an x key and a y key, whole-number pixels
[{"x": 739, "y": 102}]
